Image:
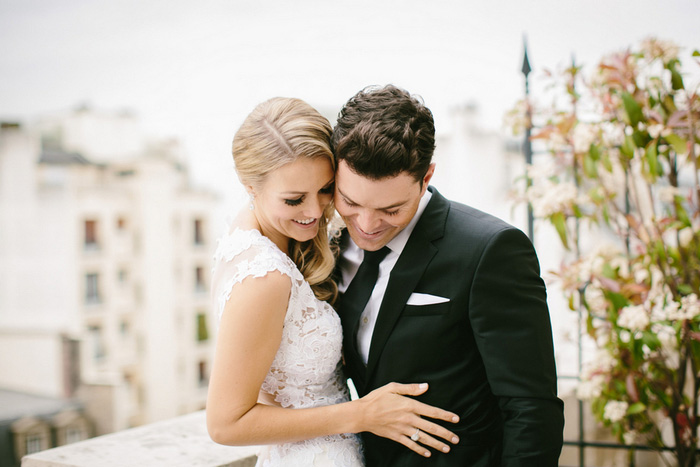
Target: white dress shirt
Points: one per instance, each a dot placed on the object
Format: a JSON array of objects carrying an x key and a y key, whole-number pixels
[{"x": 353, "y": 256}]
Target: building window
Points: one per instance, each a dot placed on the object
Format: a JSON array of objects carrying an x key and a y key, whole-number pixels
[
  {"x": 203, "y": 377},
  {"x": 34, "y": 442},
  {"x": 198, "y": 232},
  {"x": 121, "y": 224},
  {"x": 124, "y": 328},
  {"x": 199, "y": 285},
  {"x": 30, "y": 435},
  {"x": 73, "y": 435},
  {"x": 122, "y": 276},
  {"x": 91, "y": 235},
  {"x": 92, "y": 288},
  {"x": 96, "y": 343},
  {"x": 202, "y": 331}
]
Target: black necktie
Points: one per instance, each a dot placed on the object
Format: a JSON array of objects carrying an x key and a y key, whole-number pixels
[{"x": 358, "y": 292}]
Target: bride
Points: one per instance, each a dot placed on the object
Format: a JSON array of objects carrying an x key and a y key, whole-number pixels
[{"x": 277, "y": 377}]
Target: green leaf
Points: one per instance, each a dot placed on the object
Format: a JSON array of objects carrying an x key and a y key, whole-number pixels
[
  {"x": 682, "y": 215},
  {"x": 628, "y": 147},
  {"x": 679, "y": 144},
  {"x": 590, "y": 168},
  {"x": 559, "y": 221},
  {"x": 696, "y": 53},
  {"x": 652, "y": 162},
  {"x": 633, "y": 109},
  {"x": 606, "y": 162},
  {"x": 641, "y": 138},
  {"x": 608, "y": 271},
  {"x": 651, "y": 340},
  {"x": 618, "y": 300},
  {"x": 676, "y": 78},
  {"x": 636, "y": 408}
]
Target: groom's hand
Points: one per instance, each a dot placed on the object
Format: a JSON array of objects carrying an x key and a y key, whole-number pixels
[{"x": 387, "y": 412}]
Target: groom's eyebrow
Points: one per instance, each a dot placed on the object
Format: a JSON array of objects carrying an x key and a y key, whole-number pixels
[{"x": 385, "y": 208}]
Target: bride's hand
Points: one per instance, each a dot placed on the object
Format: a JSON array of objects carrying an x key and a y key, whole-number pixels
[{"x": 388, "y": 413}]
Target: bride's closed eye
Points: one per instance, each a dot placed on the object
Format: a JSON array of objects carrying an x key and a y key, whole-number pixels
[{"x": 294, "y": 202}]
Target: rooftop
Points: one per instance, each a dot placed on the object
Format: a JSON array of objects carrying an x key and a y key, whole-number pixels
[{"x": 15, "y": 405}]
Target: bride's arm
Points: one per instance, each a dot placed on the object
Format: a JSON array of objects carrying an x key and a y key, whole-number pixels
[{"x": 249, "y": 336}]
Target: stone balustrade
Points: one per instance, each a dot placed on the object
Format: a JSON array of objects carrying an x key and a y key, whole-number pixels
[{"x": 181, "y": 441}]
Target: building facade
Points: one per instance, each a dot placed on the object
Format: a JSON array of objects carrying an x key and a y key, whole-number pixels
[{"x": 105, "y": 258}]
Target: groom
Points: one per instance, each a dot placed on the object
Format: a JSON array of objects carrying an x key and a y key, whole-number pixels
[{"x": 456, "y": 300}]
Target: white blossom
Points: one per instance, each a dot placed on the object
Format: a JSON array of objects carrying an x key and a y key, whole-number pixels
[
  {"x": 602, "y": 362},
  {"x": 690, "y": 306},
  {"x": 669, "y": 345},
  {"x": 633, "y": 317},
  {"x": 542, "y": 170},
  {"x": 685, "y": 236},
  {"x": 630, "y": 437},
  {"x": 656, "y": 48},
  {"x": 595, "y": 299},
  {"x": 613, "y": 134},
  {"x": 667, "y": 193},
  {"x": 615, "y": 410},
  {"x": 584, "y": 135},
  {"x": 621, "y": 264},
  {"x": 548, "y": 197},
  {"x": 640, "y": 273},
  {"x": 672, "y": 311},
  {"x": 625, "y": 336},
  {"x": 591, "y": 388},
  {"x": 655, "y": 130}
]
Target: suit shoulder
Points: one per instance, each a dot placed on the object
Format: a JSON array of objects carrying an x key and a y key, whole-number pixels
[{"x": 467, "y": 219}]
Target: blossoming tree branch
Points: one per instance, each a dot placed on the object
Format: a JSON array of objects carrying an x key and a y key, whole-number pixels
[{"x": 621, "y": 172}]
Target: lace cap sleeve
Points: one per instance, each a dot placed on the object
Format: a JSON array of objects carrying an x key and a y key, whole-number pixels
[{"x": 241, "y": 254}]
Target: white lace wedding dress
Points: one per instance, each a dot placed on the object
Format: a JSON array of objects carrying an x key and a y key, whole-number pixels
[{"x": 306, "y": 371}]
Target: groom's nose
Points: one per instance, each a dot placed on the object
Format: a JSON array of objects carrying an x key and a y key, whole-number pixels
[{"x": 368, "y": 220}]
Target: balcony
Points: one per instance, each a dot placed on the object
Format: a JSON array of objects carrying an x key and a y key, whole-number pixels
[
  {"x": 181, "y": 441},
  {"x": 184, "y": 442}
]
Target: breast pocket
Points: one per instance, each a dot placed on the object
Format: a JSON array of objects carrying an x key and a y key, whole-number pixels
[{"x": 435, "y": 309}]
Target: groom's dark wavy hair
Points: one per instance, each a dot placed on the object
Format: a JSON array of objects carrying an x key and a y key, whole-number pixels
[{"x": 384, "y": 131}]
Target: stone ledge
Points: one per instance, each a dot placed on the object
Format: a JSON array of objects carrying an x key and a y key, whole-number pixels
[{"x": 181, "y": 441}]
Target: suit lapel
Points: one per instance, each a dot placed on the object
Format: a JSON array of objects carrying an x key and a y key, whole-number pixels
[{"x": 409, "y": 268}]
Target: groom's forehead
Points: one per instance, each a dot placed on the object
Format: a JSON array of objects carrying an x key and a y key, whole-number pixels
[{"x": 385, "y": 193}]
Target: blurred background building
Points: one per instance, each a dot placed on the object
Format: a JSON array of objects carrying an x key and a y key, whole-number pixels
[{"x": 105, "y": 252}]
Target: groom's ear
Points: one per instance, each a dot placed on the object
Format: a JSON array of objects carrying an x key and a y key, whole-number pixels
[{"x": 426, "y": 178}]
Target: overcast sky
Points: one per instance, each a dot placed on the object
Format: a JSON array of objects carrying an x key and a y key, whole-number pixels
[{"x": 194, "y": 69}]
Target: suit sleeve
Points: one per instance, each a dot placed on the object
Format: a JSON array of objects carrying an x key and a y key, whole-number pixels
[{"x": 508, "y": 311}]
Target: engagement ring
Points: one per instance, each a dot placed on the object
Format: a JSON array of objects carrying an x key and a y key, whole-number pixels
[{"x": 416, "y": 435}]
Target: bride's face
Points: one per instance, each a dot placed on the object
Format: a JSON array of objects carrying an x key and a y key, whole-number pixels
[{"x": 292, "y": 199}]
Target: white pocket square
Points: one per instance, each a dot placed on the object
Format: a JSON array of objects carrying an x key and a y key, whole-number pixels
[{"x": 425, "y": 299}]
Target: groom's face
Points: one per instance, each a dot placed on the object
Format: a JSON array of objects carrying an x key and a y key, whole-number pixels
[{"x": 375, "y": 211}]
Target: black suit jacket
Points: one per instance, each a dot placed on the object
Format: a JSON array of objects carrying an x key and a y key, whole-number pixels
[{"x": 487, "y": 354}]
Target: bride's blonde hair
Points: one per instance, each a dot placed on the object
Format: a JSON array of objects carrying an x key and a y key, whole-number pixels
[{"x": 277, "y": 132}]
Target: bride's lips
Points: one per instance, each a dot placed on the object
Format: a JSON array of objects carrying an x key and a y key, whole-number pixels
[{"x": 305, "y": 223}]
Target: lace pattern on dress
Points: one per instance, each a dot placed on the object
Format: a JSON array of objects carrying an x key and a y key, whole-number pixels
[{"x": 306, "y": 371}]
